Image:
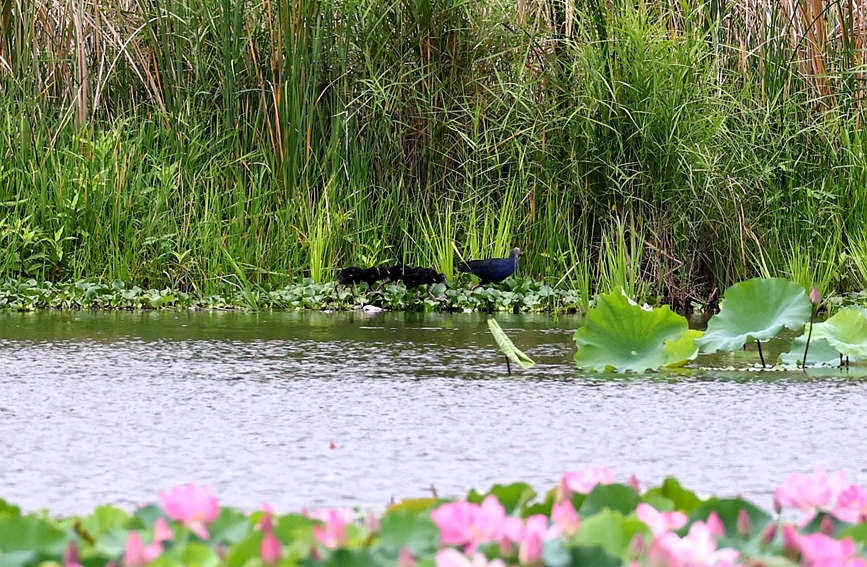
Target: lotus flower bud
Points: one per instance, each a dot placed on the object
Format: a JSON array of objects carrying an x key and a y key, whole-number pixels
[
  {"x": 768, "y": 534},
  {"x": 826, "y": 526},
  {"x": 814, "y": 295},
  {"x": 744, "y": 524}
]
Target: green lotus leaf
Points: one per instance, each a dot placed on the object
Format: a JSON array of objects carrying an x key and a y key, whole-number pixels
[
  {"x": 820, "y": 353},
  {"x": 683, "y": 349},
  {"x": 618, "y": 334},
  {"x": 846, "y": 331},
  {"x": 755, "y": 309},
  {"x": 508, "y": 348}
]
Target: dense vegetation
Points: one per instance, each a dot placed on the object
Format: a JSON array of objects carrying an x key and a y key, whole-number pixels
[
  {"x": 670, "y": 148},
  {"x": 588, "y": 519}
]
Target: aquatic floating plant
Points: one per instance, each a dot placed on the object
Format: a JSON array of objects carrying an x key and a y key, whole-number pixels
[
  {"x": 846, "y": 331},
  {"x": 755, "y": 309},
  {"x": 621, "y": 335},
  {"x": 587, "y": 519}
]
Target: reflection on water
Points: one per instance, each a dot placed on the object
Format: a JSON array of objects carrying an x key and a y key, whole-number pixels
[{"x": 112, "y": 407}]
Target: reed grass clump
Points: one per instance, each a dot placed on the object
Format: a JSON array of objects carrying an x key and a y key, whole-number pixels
[{"x": 200, "y": 144}]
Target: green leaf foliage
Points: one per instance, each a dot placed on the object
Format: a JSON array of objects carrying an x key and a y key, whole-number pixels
[
  {"x": 820, "y": 353},
  {"x": 618, "y": 497},
  {"x": 755, "y": 309},
  {"x": 728, "y": 510},
  {"x": 416, "y": 532},
  {"x": 621, "y": 335},
  {"x": 507, "y": 347},
  {"x": 29, "y": 533},
  {"x": 511, "y": 496},
  {"x": 671, "y": 490},
  {"x": 610, "y": 530},
  {"x": 846, "y": 331}
]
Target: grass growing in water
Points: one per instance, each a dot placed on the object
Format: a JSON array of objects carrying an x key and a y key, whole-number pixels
[{"x": 190, "y": 144}]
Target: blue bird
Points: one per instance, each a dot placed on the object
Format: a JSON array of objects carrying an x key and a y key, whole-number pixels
[{"x": 492, "y": 270}]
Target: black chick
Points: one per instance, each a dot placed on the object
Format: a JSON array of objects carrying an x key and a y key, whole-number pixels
[
  {"x": 371, "y": 275},
  {"x": 350, "y": 276},
  {"x": 414, "y": 277}
]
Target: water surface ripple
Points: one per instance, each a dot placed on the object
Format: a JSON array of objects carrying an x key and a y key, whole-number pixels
[{"x": 113, "y": 407}]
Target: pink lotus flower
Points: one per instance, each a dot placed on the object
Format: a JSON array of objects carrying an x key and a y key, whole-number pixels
[
  {"x": 698, "y": 547},
  {"x": 162, "y": 532},
  {"x": 136, "y": 554},
  {"x": 584, "y": 481},
  {"x": 466, "y": 524},
  {"x": 809, "y": 492},
  {"x": 455, "y": 520},
  {"x": 815, "y": 296},
  {"x": 194, "y": 506},
  {"x": 333, "y": 534},
  {"x": 660, "y": 522},
  {"x": 715, "y": 525},
  {"x": 745, "y": 523},
  {"x": 454, "y": 558},
  {"x": 405, "y": 558},
  {"x": 819, "y": 550},
  {"x": 852, "y": 504},
  {"x": 530, "y": 551},
  {"x": 270, "y": 550},
  {"x": 70, "y": 556},
  {"x": 563, "y": 515}
]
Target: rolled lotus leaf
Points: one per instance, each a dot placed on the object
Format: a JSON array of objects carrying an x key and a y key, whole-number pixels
[
  {"x": 755, "y": 309},
  {"x": 508, "y": 348},
  {"x": 620, "y": 335}
]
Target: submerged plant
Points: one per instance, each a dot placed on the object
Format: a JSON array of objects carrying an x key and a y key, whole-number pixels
[{"x": 621, "y": 335}]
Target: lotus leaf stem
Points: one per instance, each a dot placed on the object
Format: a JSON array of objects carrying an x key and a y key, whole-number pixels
[
  {"x": 761, "y": 356},
  {"x": 809, "y": 334}
]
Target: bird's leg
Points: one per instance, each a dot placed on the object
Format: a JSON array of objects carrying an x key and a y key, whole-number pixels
[{"x": 475, "y": 286}]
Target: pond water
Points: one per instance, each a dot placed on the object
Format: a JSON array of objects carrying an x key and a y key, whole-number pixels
[{"x": 113, "y": 407}]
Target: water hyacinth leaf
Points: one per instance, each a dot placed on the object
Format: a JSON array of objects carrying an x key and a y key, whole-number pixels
[
  {"x": 820, "y": 353},
  {"x": 846, "y": 331},
  {"x": 414, "y": 531},
  {"x": 758, "y": 309},
  {"x": 617, "y": 497},
  {"x": 511, "y": 496},
  {"x": 620, "y": 335},
  {"x": 506, "y": 346}
]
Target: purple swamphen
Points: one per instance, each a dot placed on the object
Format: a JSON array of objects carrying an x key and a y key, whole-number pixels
[{"x": 492, "y": 270}]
